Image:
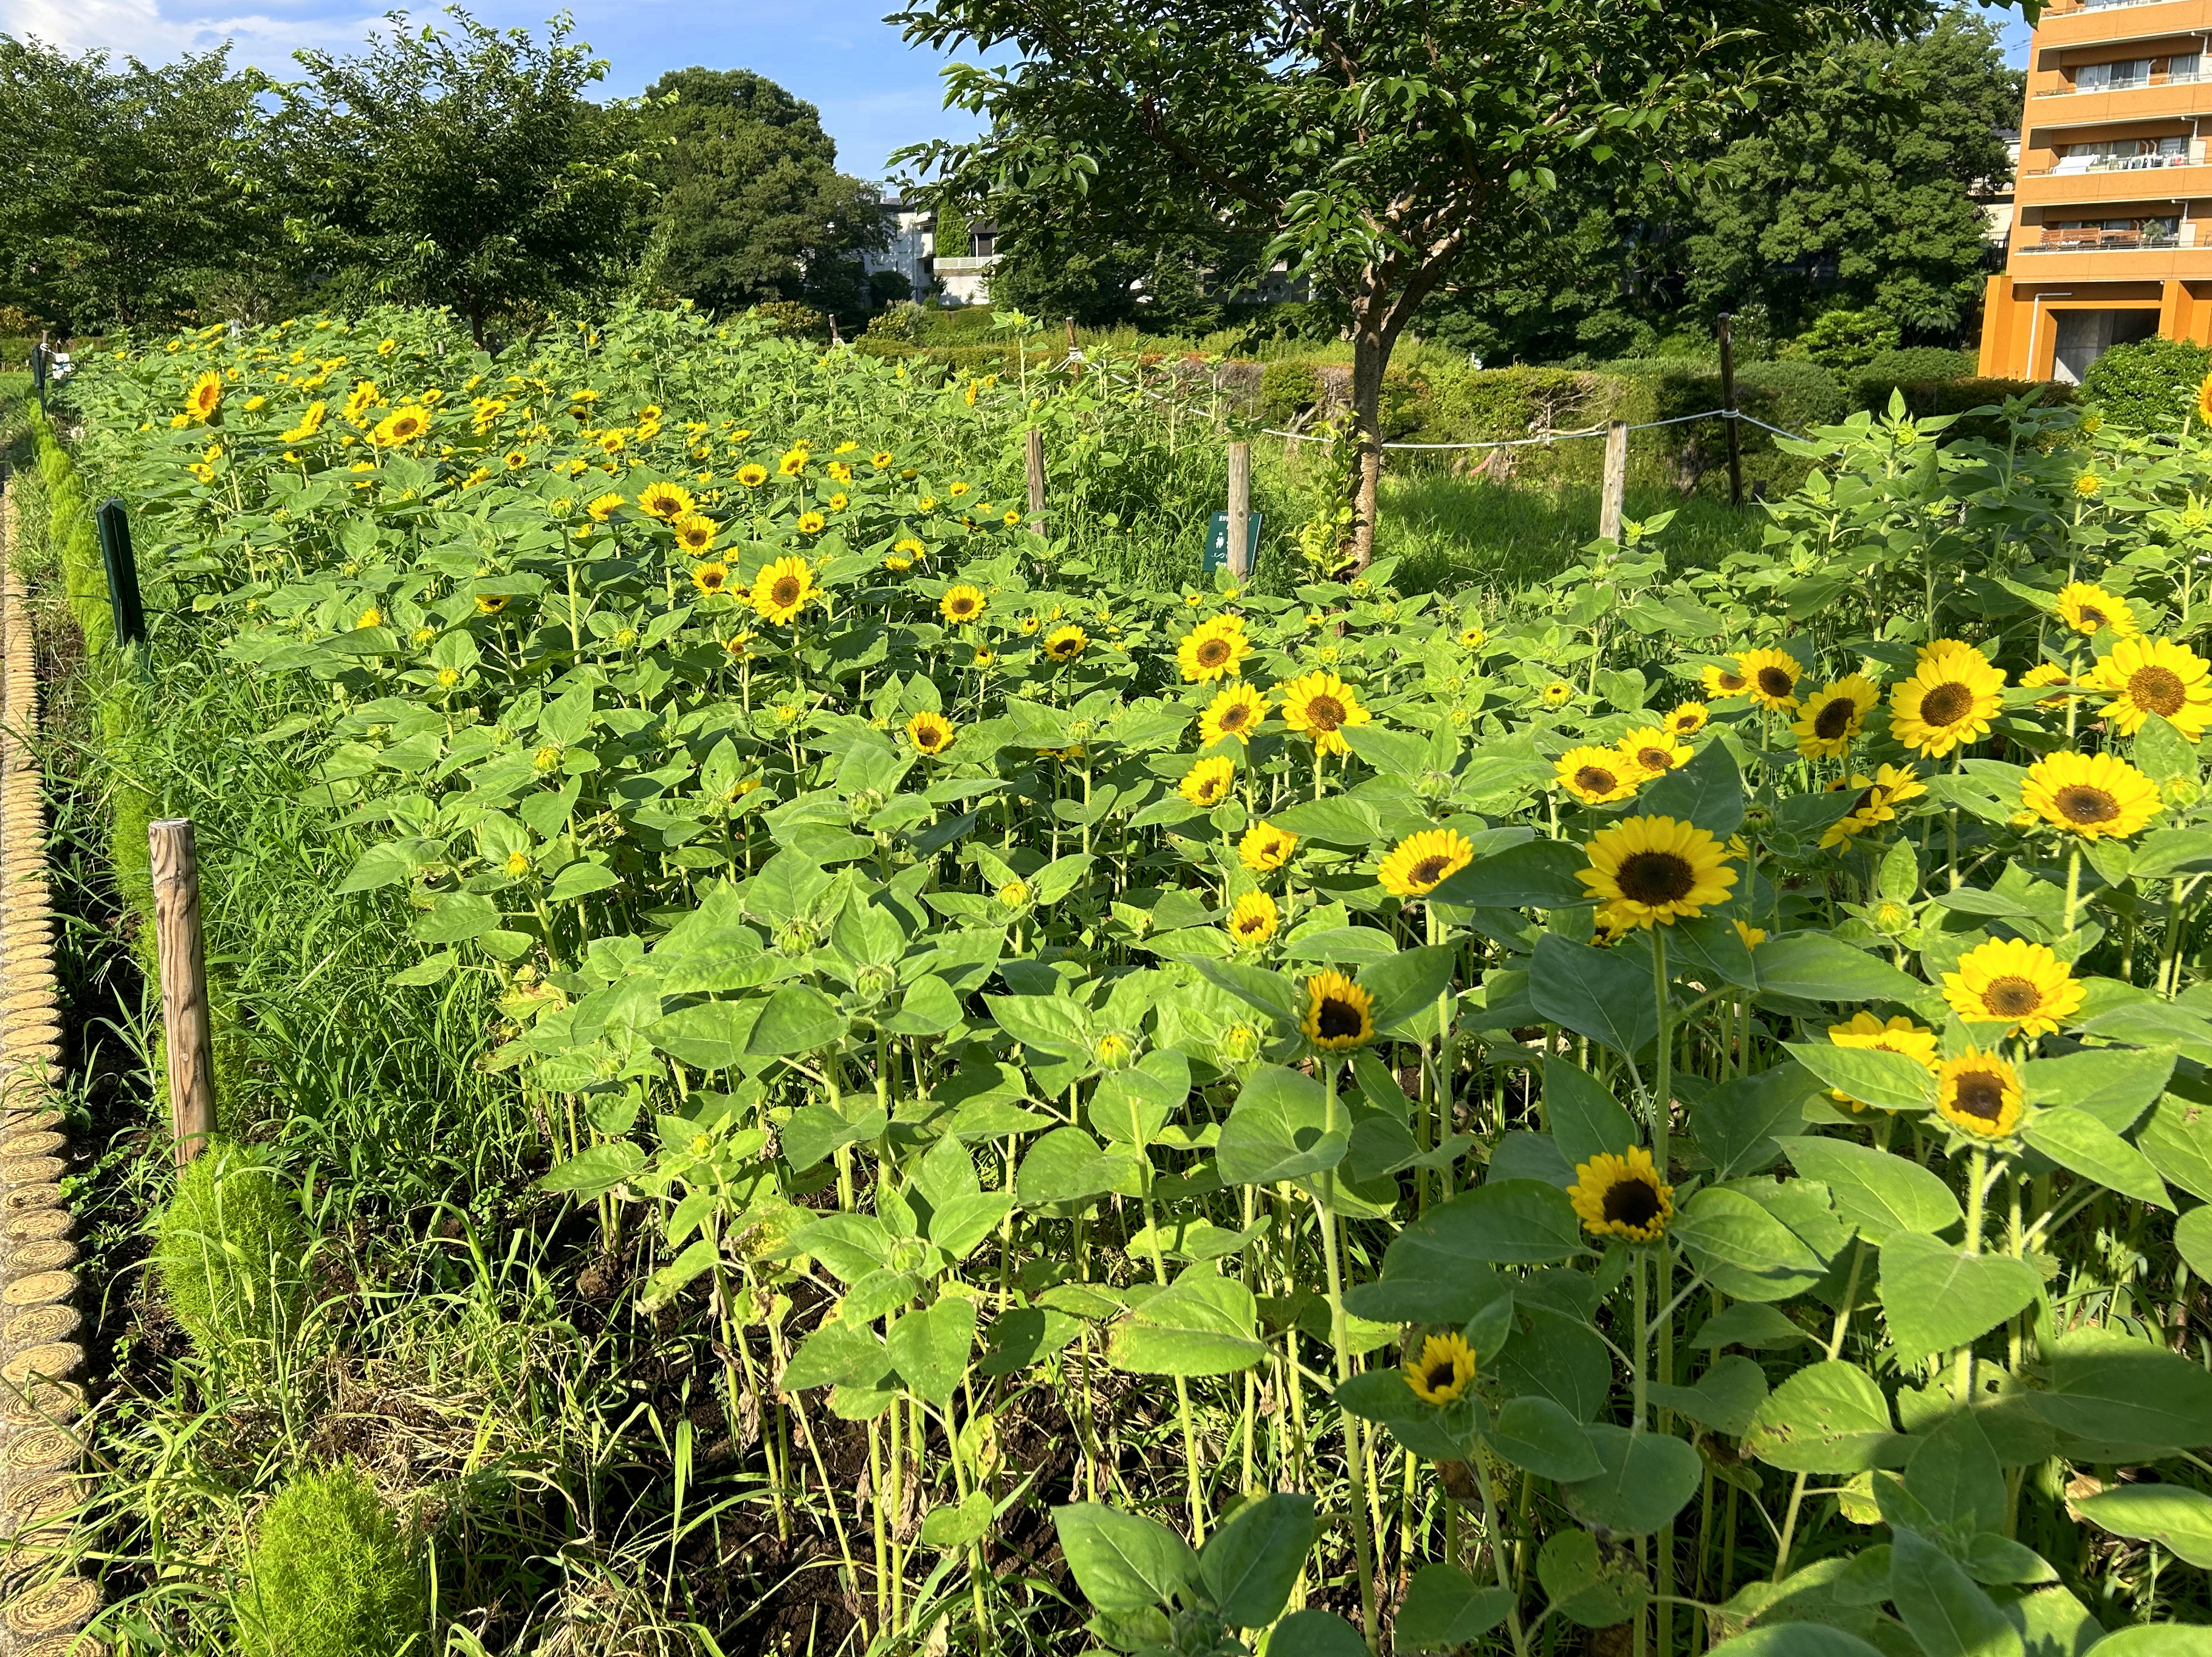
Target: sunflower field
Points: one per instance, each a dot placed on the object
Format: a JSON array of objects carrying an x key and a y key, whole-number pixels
[{"x": 819, "y": 1065}]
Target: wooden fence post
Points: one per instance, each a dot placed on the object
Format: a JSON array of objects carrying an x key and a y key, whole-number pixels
[
  {"x": 1616, "y": 480},
  {"x": 1240, "y": 510},
  {"x": 1037, "y": 480},
  {"x": 1728, "y": 397},
  {"x": 183, "y": 984}
]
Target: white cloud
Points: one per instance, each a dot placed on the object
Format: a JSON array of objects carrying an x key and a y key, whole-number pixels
[{"x": 142, "y": 28}]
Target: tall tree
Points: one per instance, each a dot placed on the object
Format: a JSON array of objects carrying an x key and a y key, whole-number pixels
[
  {"x": 751, "y": 202},
  {"x": 127, "y": 194},
  {"x": 1387, "y": 146},
  {"x": 465, "y": 169}
]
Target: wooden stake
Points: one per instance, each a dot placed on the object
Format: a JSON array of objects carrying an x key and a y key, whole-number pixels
[
  {"x": 183, "y": 984},
  {"x": 1616, "y": 480},
  {"x": 1037, "y": 480},
  {"x": 1240, "y": 510},
  {"x": 1728, "y": 402}
]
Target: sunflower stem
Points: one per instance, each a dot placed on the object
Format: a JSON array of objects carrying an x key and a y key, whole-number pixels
[{"x": 1339, "y": 1339}]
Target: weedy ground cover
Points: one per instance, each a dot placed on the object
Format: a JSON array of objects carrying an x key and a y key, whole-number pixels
[{"x": 859, "y": 1077}]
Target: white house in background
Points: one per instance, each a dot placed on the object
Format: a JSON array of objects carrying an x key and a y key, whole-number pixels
[{"x": 958, "y": 277}]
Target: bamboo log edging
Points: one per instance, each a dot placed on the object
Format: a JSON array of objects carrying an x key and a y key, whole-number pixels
[{"x": 43, "y": 1603}]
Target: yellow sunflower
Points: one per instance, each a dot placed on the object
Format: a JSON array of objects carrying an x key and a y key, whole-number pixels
[
  {"x": 783, "y": 588},
  {"x": 2092, "y": 795},
  {"x": 961, "y": 603},
  {"x": 1622, "y": 1196},
  {"x": 1772, "y": 678},
  {"x": 1876, "y": 802},
  {"x": 1834, "y": 715},
  {"x": 1212, "y": 650},
  {"x": 666, "y": 501},
  {"x": 370, "y": 617},
  {"x": 1652, "y": 752},
  {"x": 2089, "y": 609},
  {"x": 490, "y": 603},
  {"x": 794, "y": 462},
  {"x": 401, "y": 426},
  {"x": 1950, "y": 698},
  {"x": 1339, "y": 1014},
  {"x": 1322, "y": 707},
  {"x": 810, "y": 523},
  {"x": 1687, "y": 719},
  {"x": 1208, "y": 781},
  {"x": 1722, "y": 684},
  {"x": 1065, "y": 644},
  {"x": 1657, "y": 869},
  {"x": 2155, "y": 676},
  {"x": 1236, "y": 711},
  {"x": 2011, "y": 982},
  {"x": 1867, "y": 1032},
  {"x": 1420, "y": 863},
  {"x": 1266, "y": 849},
  {"x": 695, "y": 533},
  {"x": 752, "y": 474},
  {"x": 711, "y": 577},
  {"x": 1978, "y": 1093},
  {"x": 2047, "y": 673},
  {"x": 930, "y": 733},
  {"x": 1254, "y": 920},
  {"x": 1555, "y": 693},
  {"x": 1597, "y": 776},
  {"x": 204, "y": 400},
  {"x": 1445, "y": 1370},
  {"x": 310, "y": 423}
]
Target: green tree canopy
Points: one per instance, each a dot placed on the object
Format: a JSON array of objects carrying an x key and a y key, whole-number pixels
[
  {"x": 1856, "y": 194},
  {"x": 1386, "y": 148},
  {"x": 751, "y": 204},
  {"x": 128, "y": 199},
  {"x": 463, "y": 168}
]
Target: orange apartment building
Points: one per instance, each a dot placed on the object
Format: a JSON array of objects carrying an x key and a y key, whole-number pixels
[{"x": 2112, "y": 220}]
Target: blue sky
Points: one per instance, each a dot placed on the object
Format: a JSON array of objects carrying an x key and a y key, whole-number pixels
[{"x": 874, "y": 91}]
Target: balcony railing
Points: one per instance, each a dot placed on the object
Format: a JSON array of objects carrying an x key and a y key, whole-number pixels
[
  {"x": 2109, "y": 241},
  {"x": 2193, "y": 77},
  {"x": 2106, "y": 5},
  {"x": 2068, "y": 169}
]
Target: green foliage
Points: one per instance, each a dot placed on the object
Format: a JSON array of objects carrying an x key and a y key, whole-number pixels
[
  {"x": 130, "y": 200},
  {"x": 1843, "y": 341},
  {"x": 749, "y": 194},
  {"x": 330, "y": 1575},
  {"x": 1916, "y": 364},
  {"x": 1287, "y": 390},
  {"x": 2150, "y": 386},
  {"x": 461, "y": 167},
  {"x": 228, "y": 1251},
  {"x": 790, "y": 318}
]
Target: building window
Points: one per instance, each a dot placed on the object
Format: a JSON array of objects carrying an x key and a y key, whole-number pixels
[{"x": 2112, "y": 77}]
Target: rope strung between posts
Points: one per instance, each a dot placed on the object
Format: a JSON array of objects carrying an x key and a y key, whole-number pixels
[{"x": 1075, "y": 359}]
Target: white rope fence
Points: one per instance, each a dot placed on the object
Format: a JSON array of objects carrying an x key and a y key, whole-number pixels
[{"x": 1075, "y": 359}]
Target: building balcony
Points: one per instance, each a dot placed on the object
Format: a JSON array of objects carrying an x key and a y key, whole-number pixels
[
  {"x": 2158, "y": 180},
  {"x": 2051, "y": 113},
  {"x": 965, "y": 266},
  {"x": 2103, "y": 22},
  {"x": 2053, "y": 255}
]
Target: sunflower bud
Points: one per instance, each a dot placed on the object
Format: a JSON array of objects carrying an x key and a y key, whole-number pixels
[
  {"x": 2182, "y": 792},
  {"x": 871, "y": 984},
  {"x": 795, "y": 938},
  {"x": 1114, "y": 1050},
  {"x": 1240, "y": 1044}
]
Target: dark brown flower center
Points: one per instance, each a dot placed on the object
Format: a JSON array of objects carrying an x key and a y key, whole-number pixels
[
  {"x": 1428, "y": 872},
  {"x": 1234, "y": 717},
  {"x": 1656, "y": 877},
  {"x": 1773, "y": 681},
  {"x": 1249, "y": 924},
  {"x": 2157, "y": 689},
  {"x": 1325, "y": 713},
  {"x": 1632, "y": 1202},
  {"x": 1442, "y": 1373},
  {"x": 1865, "y": 802},
  {"x": 1212, "y": 653},
  {"x": 963, "y": 606},
  {"x": 2094, "y": 617},
  {"x": 785, "y": 590},
  {"x": 2080, "y": 803},
  {"x": 1337, "y": 1019},
  {"x": 1596, "y": 779},
  {"x": 1980, "y": 1095},
  {"x": 1834, "y": 719},
  {"x": 1947, "y": 704},
  {"x": 2013, "y": 998},
  {"x": 1655, "y": 759},
  {"x": 1732, "y": 682}
]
